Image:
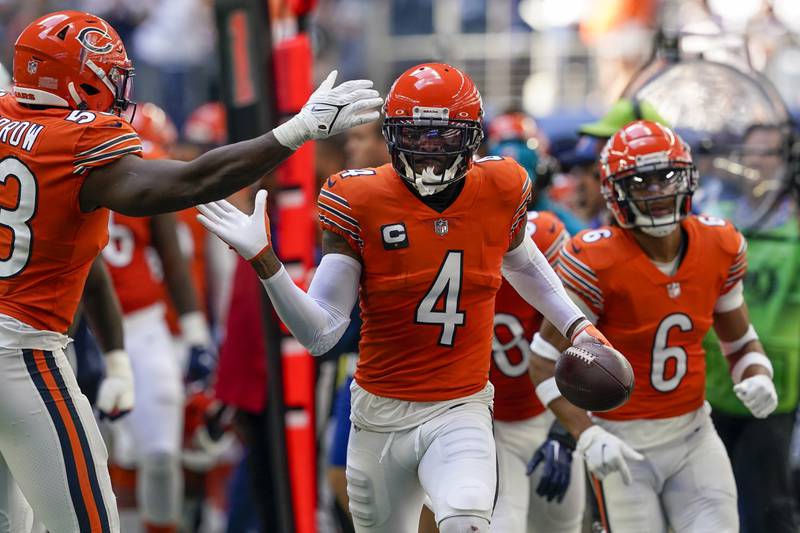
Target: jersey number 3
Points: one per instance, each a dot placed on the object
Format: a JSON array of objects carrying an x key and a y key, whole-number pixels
[
  {"x": 440, "y": 306},
  {"x": 16, "y": 215}
]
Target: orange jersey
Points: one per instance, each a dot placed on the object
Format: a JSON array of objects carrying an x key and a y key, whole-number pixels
[
  {"x": 657, "y": 321},
  {"x": 429, "y": 279},
  {"x": 126, "y": 254},
  {"x": 515, "y": 322},
  {"x": 47, "y": 244}
]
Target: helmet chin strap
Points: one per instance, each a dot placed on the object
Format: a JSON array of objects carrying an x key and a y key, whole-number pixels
[
  {"x": 659, "y": 231},
  {"x": 428, "y": 182}
]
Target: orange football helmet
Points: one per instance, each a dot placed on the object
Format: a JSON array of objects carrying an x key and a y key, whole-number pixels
[
  {"x": 647, "y": 177},
  {"x": 72, "y": 59},
  {"x": 517, "y": 126},
  {"x": 207, "y": 125},
  {"x": 154, "y": 125},
  {"x": 432, "y": 125}
]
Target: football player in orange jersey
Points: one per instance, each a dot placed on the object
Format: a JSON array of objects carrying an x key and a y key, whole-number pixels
[
  {"x": 424, "y": 240},
  {"x": 551, "y": 500},
  {"x": 149, "y": 439},
  {"x": 65, "y": 158},
  {"x": 655, "y": 283}
]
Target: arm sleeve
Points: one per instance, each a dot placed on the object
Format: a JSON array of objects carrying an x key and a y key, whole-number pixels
[
  {"x": 318, "y": 318},
  {"x": 528, "y": 271}
]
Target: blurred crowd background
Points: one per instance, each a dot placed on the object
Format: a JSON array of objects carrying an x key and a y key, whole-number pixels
[{"x": 725, "y": 73}]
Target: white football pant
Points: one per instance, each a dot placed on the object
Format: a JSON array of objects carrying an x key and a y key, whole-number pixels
[
  {"x": 149, "y": 437},
  {"x": 451, "y": 457},
  {"x": 519, "y": 509},
  {"x": 52, "y": 446},
  {"x": 685, "y": 483}
]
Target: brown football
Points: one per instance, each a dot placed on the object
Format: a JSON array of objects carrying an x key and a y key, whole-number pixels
[{"x": 594, "y": 377}]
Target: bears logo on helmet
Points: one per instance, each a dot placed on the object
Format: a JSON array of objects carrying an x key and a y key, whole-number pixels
[{"x": 72, "y": 59}]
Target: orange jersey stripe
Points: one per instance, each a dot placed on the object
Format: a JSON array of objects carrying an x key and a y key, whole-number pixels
[{"x": 75, "y": 443}]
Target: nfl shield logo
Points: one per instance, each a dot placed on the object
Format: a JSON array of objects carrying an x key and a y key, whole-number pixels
[
  {"x": 674, "y": 289},
  {"x": 33, "y": 66},
  {"x": 440, "y": 227}
]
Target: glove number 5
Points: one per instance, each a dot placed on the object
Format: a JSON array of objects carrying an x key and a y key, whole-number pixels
[
  {"x": 446, "y": 288},
  {"x": 17, "y": 218},
  {"x": 663, "y": 353}
]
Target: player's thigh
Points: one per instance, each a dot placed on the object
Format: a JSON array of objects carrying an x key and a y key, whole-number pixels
[
  {"x": 459, "y": 467},
  {"x": 555, "y": 517},
  {"x": 633, "y": 508},
  {"x": 512, "y": 498},
  {"x": 156, "y": 421},
  {"x": 382, "y": 485},
  {"x": 700, "y": 496},
  {"x": 16, "y": 515},
  {"x": 51, "y": 443}
]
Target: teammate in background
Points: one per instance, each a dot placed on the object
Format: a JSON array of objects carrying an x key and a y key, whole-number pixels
[
  {"x": 655, "y": 283},
  {"x": 552, "y": 499},
  {"x": 365, "y": 148},
  {"x": 148, "y": 442},
  {"x": 517, "y": 136},
  {"x": 424, "y": 239},
  {"x": 211, "y": 261},
  {"x": 178, "y": 269},
  {"x": 67, "y": 157}
]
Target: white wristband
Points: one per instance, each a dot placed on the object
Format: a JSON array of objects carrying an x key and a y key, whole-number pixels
[
  {"x": 547, "y": 391},
  {"x": 291, "y": 134},
  {"x": 543, "y": 348},
  {"x": 750, "y": 358},
  {"x": 729, "y": 348}
]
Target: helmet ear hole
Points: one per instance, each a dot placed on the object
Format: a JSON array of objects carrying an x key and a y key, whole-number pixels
[{"x": 89, "y": 89}]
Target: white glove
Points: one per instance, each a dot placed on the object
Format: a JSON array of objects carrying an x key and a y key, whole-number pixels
[
  {"x": 249, "y": 235},
  {"x": 330, "y": 111},
  {"x": 604, "y": 453},
  {"x": 115, "y": 395},
  {"x": 758, "y": 394}
]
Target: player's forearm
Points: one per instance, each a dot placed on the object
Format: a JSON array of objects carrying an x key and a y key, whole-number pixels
[
  {"x": 319, "y": 318},
  {"x": 176, "y": 268},
  {"x": 102, "y": 308},
  {"x": 573, "y": 418},
  {"x": 151, "y": 187},
  {"x": 266, "y": 264}
]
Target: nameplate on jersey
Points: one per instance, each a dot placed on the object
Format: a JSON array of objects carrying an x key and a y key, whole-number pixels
[{"x": 394, "y": 236}]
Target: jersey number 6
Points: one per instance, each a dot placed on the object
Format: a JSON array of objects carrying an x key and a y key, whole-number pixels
[
  {"x": 662, "y": 353},
  {"x": 447, "y": 289},
  {"x": 17, "y": 218}
]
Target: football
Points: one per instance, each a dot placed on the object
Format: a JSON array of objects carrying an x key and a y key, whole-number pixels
[{"x": 594, "y": 377}]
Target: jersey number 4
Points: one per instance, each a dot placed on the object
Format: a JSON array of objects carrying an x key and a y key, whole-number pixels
[
  {"x": 16, "y": 217},
  {"x": 440, "y": 306}
]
